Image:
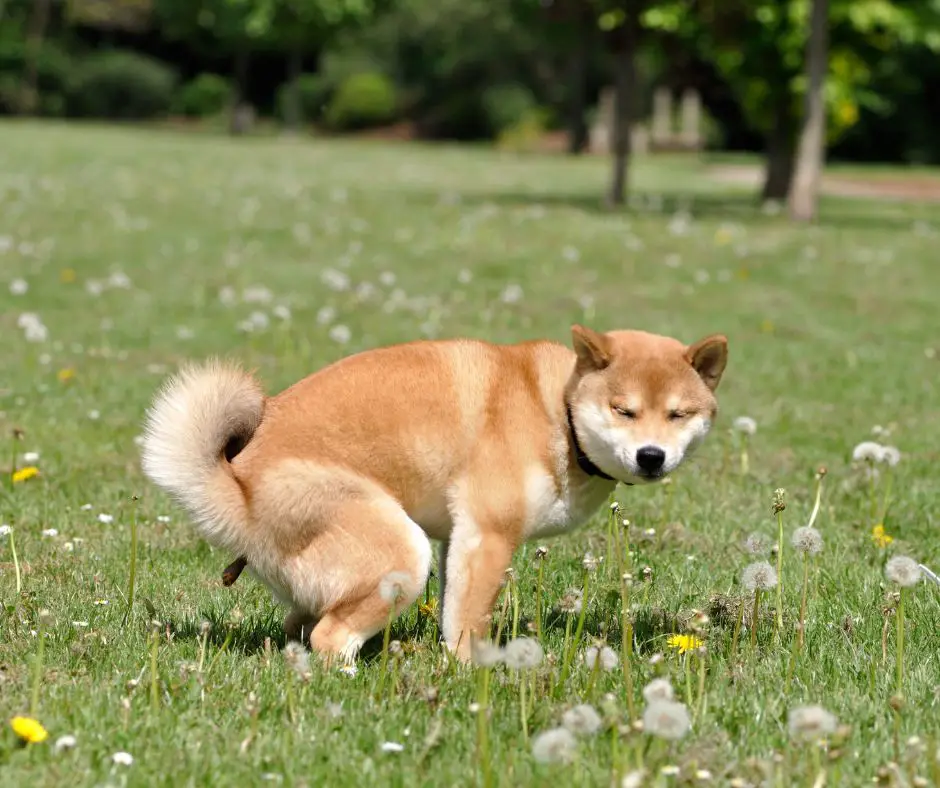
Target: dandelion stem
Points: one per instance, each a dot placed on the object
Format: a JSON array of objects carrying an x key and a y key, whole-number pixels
[
  {"x": 819, "y": 484},
  {"x": 483, "y": 747},
  {"x": 900, "y": 639},
  {"x": 16, "y": 564},
  {"x": 523, "y": 717},
  {"x": 626, "y": 624},
  {"x": 538, "y": 601},
  {"x": 780, "y": 573},
  {"x": 37, "y": 667},
  {"x": 800, "y": 632},
  {"x": 573, "y": 649},
  {"x": 290, "y": 695},
  {"x": 154, "y": 680},
  {"x": 754, "y": 618},
  {"x": 515, "y": 607},
  {"x": 737, "y": 630},
  {"x": 386, "y": 637},
  {"x": 745, "y": 464},
  {"x": 686, "y": 658},
  {"x": 132, "y": 569}
]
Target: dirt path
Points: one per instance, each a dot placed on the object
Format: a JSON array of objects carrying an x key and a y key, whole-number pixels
[{"x": 917, "y": 187}]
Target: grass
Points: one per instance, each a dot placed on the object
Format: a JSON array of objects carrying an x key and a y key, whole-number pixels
[{"x": 127, "y": 239}]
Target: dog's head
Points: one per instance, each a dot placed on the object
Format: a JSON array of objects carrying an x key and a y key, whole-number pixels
[{"x": 640, "y": 403}]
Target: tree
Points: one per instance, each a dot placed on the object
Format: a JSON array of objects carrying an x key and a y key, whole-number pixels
[{"x": 804, "y": 195}]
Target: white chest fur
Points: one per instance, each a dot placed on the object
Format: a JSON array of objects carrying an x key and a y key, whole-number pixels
[{"x": 553, "y": 507}]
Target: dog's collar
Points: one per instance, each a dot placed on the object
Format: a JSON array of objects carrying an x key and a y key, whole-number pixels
[{"x": 584, "y": 462}]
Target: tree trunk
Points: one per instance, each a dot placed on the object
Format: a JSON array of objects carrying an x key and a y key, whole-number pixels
[
  {"x": 778, "y": 173},
  {"x": 240, "y": 122},
  {"x": 804, "y": 196},
  {"x": 29, "y": 98},
  {"x": 293, "y": 114},
  {"x": 624, "y": 94},
  {"x": 578, "y": 133}
]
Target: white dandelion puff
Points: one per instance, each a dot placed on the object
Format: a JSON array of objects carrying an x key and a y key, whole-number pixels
[
  {"x": 340, "y": 334},
  {"x": 571, "y": 602},
  {"x": 867, "y": 451},
  {"x": 105, "y": 518},
  {"x": 557, "y": 745},
  {"x": 890, "y": 455},
  {"x": 122, "y": 759},
  {"x": 392, "y": 586},
  {"x": 582, "y": 720},
  {"x": 66, "y": 742},
  {"x": 634, "y": 779},
  {"x": 903, "y": 570},
  {"x": 50, "y": 532},
  {"x": 745, "y": 424},
  {"x": 759, "y": 576},
  {"x": 666, "y": 719},
  {"x": 807, "y": 540},
  {"x": 605, "y": 658},
  {"x": 512, "y": 294},
  {"x": 658, "y": 690},
  {"x": 486, "y": 654},
  {"x": 757, "y": 544},
  {"x": 326, "y": 315},
  {"x": 19, "y": 287},
  {"x": 392, "y": 746},
  {"x": 810, "y": 723},
  {"x": 297, "y": 658},
  {"x": 523, "y": 654},
  {"x": 5, "y": 530}
]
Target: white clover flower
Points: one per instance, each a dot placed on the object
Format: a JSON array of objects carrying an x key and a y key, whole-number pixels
[
  {"x": 66, "y": 742},
  {"x": 122, "y": 758},
  {"x": 392, "y": 586},
  {"x": 759, "y": 576},
  {"x": 582, "y": 720},
  {"x": 807, "y": 540},
  {"x": 810, "y": 723},
  {"x": 392, "y": 746},
  {"x": 666, "y": 719},
  {"x": 658, "y": 690},
  {"x": 523, "y": 654},
  {"x": 50, "y": 532},
  {"x": 105, "y": 518},
  {"x": 903, "y": 570},
  {"x": 634, "y": 779},
  {"x": 604, "y": 658},
  {"x": 557, "y": 745},
  {"x": 745, "y": 424}
]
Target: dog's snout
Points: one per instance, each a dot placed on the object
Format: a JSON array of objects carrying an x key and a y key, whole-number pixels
[{"x": 650, "y": 459}]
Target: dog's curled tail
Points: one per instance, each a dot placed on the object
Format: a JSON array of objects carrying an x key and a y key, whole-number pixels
[{"x": 199, "y": 420}]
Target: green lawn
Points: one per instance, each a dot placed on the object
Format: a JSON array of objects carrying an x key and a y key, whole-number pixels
[{"x": 142, "y": 249}]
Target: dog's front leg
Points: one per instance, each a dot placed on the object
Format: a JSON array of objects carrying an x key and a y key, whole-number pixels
[{"x": 477, "y": 560}]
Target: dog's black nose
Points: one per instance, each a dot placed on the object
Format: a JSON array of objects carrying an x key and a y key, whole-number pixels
[{"x": 650, "y": 459}]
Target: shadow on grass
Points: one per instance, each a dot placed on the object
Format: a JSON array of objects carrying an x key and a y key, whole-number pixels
[{"x": 846, "y": 213}]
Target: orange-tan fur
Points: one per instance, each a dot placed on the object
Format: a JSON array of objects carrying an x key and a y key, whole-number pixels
[{"x": 340, "y": 481}]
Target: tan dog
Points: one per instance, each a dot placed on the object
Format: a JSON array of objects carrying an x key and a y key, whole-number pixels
[{"x": 332, "y": 489}]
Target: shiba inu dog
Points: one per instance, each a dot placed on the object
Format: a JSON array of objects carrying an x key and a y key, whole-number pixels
[{"x": 332, "y": 490}]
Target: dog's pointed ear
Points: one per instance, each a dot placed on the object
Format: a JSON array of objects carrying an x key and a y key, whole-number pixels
[
  {"x": 593, "y": 349},
  {"x": 708, "y": 357}
]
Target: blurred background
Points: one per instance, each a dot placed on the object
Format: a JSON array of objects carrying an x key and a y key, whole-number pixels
[{"x": 593, "y": 77}]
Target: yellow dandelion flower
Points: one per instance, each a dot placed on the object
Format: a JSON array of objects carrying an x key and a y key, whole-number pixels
[
  {"x": 880, "y": 537},
  {"x": 685, "y": 643},
  {"x": 29, "y": 730},
  {"x": 67, "y": 275},
  {"x": 25, "y": 474},
  {"x": 429, "y": 609},
  {"x": 65, "y": 375},
  {"x": 723, "y": 236}
]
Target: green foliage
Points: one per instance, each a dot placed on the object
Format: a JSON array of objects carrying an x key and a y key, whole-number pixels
[
  {"x": 507, "y": 105},
  {"x": 54, "y": 68},
  {"x": 526, "y": 132},
  {"x": 121, "y": 85},
  {"x": 313, "y": 96},
  {"x": 362, "y": 101},
  {"x": 204, "y": 96}
]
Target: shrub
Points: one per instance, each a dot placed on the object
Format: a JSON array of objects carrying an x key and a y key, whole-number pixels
[
  {"x": 314, "y": 97},
  {"x": 53, "y": 72},
  {"x": 362, "y": 101},
  {"x": 525, "y": 135},
  {"x": 506, "y": 106},
  {"x": 204, "y": 96},
  {"x": 122, "y": 85}
]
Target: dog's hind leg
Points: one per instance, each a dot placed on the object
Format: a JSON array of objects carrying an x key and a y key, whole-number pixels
[{"x": 371, "y": 557}]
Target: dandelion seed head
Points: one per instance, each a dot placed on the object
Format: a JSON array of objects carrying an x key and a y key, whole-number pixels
[
  {"x": 867, "y": 451},
  {"x": 66, "y": 742},
  {"x": 604, "y": 657},
  {"x": 757, "y": 544},
  {"x": 523, "y": 654},
  {"x": 541, "y": 551},
  {"x": 571, "y": 602},
  {"x": 810, "y": 723},
  {"x": 745, "y": 424},
  {"x": 582, "y": 720},
  {"x": 340, "y": 334},
  {"x": 122, "y": 759},
  {"x": 557, "y": 745},
  {"x": 486, "y": 654},
  {"x": 5, "y": 530},
  {"x": 392, "y": 586},
  {"x": 658, "y": 690},
  {"x": 903, "y": 570},
  {"x": 392, "y": 746},
  {"x": 669, "y": 770},
  {"x": 297, "y": 658},
  {"x": 634, "y": 779},
  {"x": 666, "y": 719},
  {"x": 807, "y": 540},
  {"x": 591, "y": 562},
  {"x": 759, "y": 576},
  {"x": 890, "y": 455}
]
